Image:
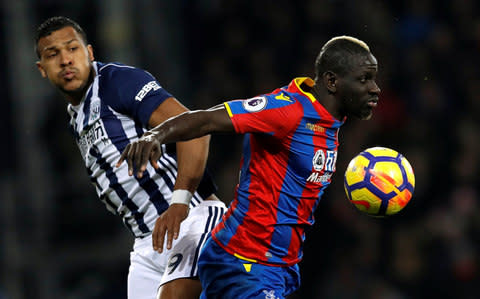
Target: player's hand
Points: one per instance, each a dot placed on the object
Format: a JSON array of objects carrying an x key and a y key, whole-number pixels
[
  {"x": 140, "y": 152},
  {"x": 168, "y": 223}
]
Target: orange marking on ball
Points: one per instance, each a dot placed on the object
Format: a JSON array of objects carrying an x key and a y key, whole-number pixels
[{"x": 364, "y": 203}]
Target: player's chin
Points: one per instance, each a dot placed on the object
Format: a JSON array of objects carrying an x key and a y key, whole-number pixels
[
  {"x": 365, "y": 114},
  {"x": 72, "y": 87}
]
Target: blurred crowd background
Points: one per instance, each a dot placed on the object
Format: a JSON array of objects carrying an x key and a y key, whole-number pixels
[{"x": 58, "y": 241}]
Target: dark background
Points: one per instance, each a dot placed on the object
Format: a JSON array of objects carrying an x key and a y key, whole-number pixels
[{"x": 58, "y": 241}]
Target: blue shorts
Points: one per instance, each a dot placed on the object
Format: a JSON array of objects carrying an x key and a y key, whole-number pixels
[{"x": 226, "y": 276}]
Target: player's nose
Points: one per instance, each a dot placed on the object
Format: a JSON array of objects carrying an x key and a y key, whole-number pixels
[
  {"x": 65, "y": 58},
  {"x": 375, "y": 89}
]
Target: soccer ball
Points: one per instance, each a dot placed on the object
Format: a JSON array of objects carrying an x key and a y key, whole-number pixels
[{"x": 379, "y": 181}]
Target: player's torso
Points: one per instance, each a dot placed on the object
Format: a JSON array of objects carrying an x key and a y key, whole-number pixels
[
  {"x": 282, "y": 179},
  {"x": 101, "y": 133}
]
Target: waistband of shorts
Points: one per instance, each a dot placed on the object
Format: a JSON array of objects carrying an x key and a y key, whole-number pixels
[{"x": 211, "y": 203}]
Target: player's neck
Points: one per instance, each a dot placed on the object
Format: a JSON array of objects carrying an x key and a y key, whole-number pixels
[{"x": 327, "y": 99}]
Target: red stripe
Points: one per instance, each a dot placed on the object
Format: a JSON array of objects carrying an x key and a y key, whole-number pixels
[{"x": 267, "y": 168}]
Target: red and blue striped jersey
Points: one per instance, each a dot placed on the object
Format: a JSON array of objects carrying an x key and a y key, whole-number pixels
[{"x": 289, "y": 155}]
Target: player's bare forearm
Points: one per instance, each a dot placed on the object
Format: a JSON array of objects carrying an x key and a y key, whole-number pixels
[
  {"x": 192, "y": 158},
  {"x": 193, "y": 124},
  {"x": 186, "y": 126}
]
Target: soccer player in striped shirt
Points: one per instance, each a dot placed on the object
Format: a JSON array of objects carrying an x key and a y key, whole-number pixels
[
  {"x": 289, "y": 155},
  {"x": 110, "y": 105}
]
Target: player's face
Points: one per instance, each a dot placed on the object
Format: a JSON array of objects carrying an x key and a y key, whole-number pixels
[
  {"x": 65, "y": 60},
  {"x": 358, "y": 90}
]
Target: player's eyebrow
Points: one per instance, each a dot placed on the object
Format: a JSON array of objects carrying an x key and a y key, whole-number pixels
[{"x": 65, "y": 43}]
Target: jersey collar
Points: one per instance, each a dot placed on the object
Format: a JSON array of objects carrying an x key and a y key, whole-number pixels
[{"x": 297, "y": 82}]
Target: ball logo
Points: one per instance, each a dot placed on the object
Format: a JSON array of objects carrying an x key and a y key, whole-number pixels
[{"x": 255, "y": 104}]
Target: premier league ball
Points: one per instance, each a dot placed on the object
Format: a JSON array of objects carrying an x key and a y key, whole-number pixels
[{"x": 379, "y": 182}]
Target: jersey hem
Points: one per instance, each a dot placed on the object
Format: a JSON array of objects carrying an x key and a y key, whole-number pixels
[{"x": 258, "y": 261}]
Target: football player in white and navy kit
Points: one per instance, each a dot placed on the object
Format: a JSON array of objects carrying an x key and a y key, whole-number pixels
[{"x": 110, "y": 105}]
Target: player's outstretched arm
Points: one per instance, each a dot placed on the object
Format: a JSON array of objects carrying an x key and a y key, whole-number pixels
[{"x": 186, "y": 126}]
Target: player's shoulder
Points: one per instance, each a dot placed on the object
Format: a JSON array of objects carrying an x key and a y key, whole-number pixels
[
  {"x": 121, "y": 76},
  {"x": 116, "y": 69},
  {"x": 281, "y": 97}
]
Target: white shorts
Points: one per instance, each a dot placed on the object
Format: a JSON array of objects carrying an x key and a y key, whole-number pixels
[{"x": 150, "y": 269}]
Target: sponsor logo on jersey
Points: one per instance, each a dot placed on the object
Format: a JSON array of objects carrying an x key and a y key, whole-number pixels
[
  {"x": 95, "y": 135},
  {"x": 316, "y": 177},
  {"x": 255, "y": 104},
  {"x": 323, "y": 161},
  {"x": 146, "y": 89},
  {"x": 315, "y": 128}
]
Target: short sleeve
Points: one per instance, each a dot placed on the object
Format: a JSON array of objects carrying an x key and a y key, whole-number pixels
[
  {"x": 269, "y": 114},
  {"x": 133, "y": 92}
]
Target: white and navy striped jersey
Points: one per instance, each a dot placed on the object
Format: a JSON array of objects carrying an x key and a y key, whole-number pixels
[{"x": 114, "y": 112}]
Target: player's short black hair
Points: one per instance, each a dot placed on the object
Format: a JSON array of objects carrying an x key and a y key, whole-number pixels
[
  {"x": 56, "y": 23},
  {"x": 336, "y": 55}
]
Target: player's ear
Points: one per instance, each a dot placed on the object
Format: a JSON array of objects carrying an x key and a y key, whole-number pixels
[
  {"x": 90, "y": 52},
  {"x": 41, "y": 70},
  {"x": 330, "y": 81}
]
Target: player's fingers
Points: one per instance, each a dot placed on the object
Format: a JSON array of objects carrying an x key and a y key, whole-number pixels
[
  {"x": 146, "y": 151},
  {"x": 159, "y": 237},
  {"x": 123, "y": 156},
  {"x": 154, "y": 156},
  {"x": 137, "y": 156},
  {"x": 170, "y": 238},
  {"x": 176, "y": 229},
  {"x": 129, "y": 157},
  {"x": 173, "y": 233}
]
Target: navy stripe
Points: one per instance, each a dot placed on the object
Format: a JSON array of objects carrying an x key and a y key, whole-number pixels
[
  {"x": 114, "y": 129},
  {"x": 86, "y": 106},
  {"x": 153, "y": 191},
  {"x": 139, "y": 129},
  {"x": 164, "y": 175},
  {"x": 200, "y": 243},
  {"x": 169, "y": 165},
  {"x": 103, "y": 197},
  {"x": 117, "y": 187}
]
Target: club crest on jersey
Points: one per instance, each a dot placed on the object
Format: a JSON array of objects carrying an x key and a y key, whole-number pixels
[
  {"x": 323, "y": 161},
  {"x": 318, "y": 160},
  {"x": 94, "y": 110},
  {"x": 255, "y": 104}
]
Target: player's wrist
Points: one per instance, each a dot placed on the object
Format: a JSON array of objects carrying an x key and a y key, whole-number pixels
[{"x": 181, "y": 196}]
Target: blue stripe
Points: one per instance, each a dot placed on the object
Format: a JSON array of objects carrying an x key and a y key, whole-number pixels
[
  {"x": 243, "y": 191},
  {"x": 331, "y": 137},
  {"x": 117, "y": 187},
  {"x": 290, "y": 195}
]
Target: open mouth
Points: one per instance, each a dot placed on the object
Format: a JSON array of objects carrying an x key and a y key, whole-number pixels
[{"x": 372, "y": 102}]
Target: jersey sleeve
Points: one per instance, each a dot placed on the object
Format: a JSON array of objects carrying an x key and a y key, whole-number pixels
[
  {"x": 276, "y": 115},
  {"x": 136, "y": 93}
]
